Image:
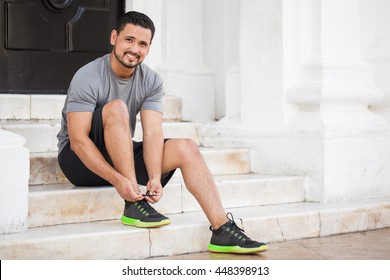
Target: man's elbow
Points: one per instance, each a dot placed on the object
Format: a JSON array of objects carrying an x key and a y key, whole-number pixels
[{"x": 76, "y": 145}]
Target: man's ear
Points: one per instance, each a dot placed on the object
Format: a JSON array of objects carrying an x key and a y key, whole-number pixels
[{"x": 113, "y": 37}]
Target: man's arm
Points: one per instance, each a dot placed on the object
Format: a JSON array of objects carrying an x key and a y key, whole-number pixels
[
  {"x": 153, "y": 145},
  {"x": 79, "y": 126}
]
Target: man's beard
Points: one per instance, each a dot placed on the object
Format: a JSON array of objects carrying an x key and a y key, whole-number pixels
[{"x": 126, "y": 64}]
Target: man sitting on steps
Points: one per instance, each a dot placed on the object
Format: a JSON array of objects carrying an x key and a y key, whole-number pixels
[{"x": 96, "y": 146}]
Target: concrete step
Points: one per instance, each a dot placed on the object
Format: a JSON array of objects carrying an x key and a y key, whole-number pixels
[
  {"x": 41, "y": 136},
  {"x": 62, "y": 204},
  {"x": 189, "y": 232},
  {"x": 38, "y": 119},
  {"x": 49, "y": 107},
  {"x": 44, "y": 167}
]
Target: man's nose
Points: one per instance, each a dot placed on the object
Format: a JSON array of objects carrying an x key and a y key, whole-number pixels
[{"x": 134, "y": 48}]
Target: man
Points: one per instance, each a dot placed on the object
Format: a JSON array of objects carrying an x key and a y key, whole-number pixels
[{"x": 96, "y": 147}]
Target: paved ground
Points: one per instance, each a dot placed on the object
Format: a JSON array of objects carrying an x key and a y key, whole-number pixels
[{"x": 369, "y": 245}]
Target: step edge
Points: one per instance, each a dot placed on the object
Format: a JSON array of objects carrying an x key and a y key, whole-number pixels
[{"x": 316, "y": 209}]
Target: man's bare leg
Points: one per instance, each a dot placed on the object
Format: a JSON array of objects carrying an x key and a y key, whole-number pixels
[
  {"x": 180, "y": 153},
  {"x": 185, "y": 154},
  {"x": 226, "y": 236},
  {"x": 119, "y": 145}
]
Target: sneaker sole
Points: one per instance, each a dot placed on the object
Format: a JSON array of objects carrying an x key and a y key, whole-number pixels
[
  {"x": 138, "y": 223},
  {"x": 236, "y": 249}
]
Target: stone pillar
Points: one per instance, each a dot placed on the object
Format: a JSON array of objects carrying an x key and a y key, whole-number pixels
[
  {"x": 378, "y": 54},
  {"x": 336, "y": 140},
  {"x": 261, "y": 63},
  {"x": 182, "y": 66},
  {"x": 306, "y": 96},
  {"x": 14, "y": 174},
  {"x": 333, "y": 83},
  {"x": 232, "y": 96}
]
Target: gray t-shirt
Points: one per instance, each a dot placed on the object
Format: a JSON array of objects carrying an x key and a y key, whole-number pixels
[{"x": 95, "y": 84}]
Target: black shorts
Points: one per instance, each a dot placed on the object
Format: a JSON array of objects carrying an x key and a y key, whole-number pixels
[{"x": 78, "y": 174}]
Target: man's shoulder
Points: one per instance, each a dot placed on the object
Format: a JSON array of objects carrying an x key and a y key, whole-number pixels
[
  {"x": 93, "y": 69},
  {"x": 148, "y": 74}
]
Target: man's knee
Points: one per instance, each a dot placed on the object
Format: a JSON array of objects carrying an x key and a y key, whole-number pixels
[
  {"x": 115, "y": 110},
  {"x": 188, "y": 148},
  {"x": 178, "y": 153}
]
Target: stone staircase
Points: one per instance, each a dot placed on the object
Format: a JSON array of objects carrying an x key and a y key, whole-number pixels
[{"x": 68, "y": 222}]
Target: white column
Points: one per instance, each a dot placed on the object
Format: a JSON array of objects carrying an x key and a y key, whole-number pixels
[
  {"x": 232, "y": 96},
  {"x": 14, "y": 174},
  {"x": 221, "y": 47},
  {"x": 182, "y": 61},
  {"x": 306, "y": 96},
  {"x": 378, "y": 53},
  {"x": 261, "y": 62},
  {"x": 254, "y": 84},
  {"x": 334, "y": 85},
  {"x": 339, "y": 144}
]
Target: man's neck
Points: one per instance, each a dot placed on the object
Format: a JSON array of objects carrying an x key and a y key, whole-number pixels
[{"x": 120, "y": 70}]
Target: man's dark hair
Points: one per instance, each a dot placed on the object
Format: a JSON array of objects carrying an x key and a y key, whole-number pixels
[{"x": 135, "y": 18}]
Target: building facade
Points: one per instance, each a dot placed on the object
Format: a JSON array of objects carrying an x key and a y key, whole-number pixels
[{"x": 302, "y": 83}]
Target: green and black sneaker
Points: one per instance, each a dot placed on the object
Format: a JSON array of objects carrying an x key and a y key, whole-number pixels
[
  {"x": 141, "y": 214},
  {"x": 229, "y": 238}
]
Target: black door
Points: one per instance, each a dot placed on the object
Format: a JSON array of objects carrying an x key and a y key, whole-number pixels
[{"x": 44, "y": 42}]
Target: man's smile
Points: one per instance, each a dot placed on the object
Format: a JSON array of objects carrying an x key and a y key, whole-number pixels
[{"x": 131, "y": 56}]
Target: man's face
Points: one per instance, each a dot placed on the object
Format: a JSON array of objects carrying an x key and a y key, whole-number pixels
[{"x": 131, "y": 45}]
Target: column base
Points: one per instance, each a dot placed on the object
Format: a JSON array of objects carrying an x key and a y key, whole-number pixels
[
  {"x": 14, "y": 174},
  {"x": 338, "y": 163}
]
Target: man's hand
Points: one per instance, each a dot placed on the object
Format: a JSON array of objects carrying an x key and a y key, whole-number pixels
[
  {"x": 128, "y": 190},
  {"x": 155, "y": 190}
]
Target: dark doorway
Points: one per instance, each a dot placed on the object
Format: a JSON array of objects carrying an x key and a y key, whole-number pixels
[{"x": 44, "y": 42}]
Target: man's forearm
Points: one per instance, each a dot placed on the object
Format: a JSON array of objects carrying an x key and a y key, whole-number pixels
[
  {"x": 153, "y": 153},
  {"x": 93, "y": 159}
]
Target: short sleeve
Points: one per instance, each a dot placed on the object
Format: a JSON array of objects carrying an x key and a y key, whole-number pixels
[
  {"x": 82, "y": 94},
  {"x": 154, "y": 94}
]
